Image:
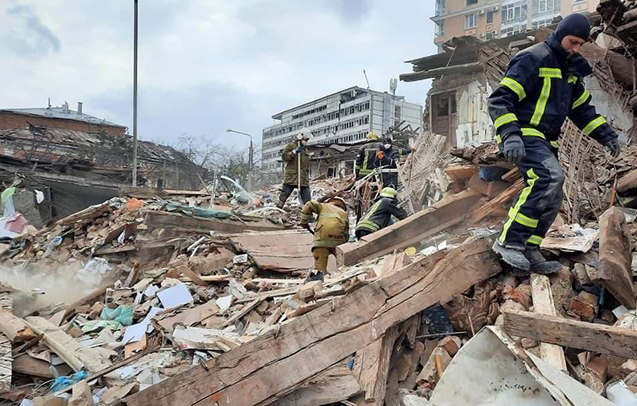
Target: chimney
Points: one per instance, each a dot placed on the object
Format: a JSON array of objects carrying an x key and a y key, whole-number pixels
[{"x": 79, "y": 108}]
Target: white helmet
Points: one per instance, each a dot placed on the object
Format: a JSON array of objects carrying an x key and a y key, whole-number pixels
[{"x": 304, "y": 134}]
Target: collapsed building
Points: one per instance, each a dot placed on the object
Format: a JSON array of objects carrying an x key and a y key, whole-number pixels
[
  {"x": 74, "y": 160},
  {"x": 194, "y": 298}
]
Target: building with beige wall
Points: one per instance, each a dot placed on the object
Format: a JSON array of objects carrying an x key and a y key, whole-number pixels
[{"x": 487, "y": 19}]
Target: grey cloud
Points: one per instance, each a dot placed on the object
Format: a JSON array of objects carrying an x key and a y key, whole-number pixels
[
  {"x": 29, "y": 38},
  {"x": 353, "y": 10}
]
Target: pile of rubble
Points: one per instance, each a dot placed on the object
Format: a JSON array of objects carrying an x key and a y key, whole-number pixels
[
  {"x": 180, "y": 298},
  {"x": 197, "y": 297}
]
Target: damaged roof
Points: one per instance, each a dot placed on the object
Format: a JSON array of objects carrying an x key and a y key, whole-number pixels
[
  {"x": 62, "y": 113},
  {"x": 57, "y": 144}
]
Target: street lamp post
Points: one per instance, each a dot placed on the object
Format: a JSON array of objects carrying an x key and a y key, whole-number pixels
[
  {"x": 250, "y": 158},
  {"x": 135, "y": 97}
]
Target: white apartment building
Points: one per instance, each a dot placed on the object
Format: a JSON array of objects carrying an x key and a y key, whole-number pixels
[{"x": 342, "y": 117}]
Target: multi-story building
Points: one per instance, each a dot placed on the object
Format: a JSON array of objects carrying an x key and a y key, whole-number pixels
[
  {"x": 342, "y": 117},
  {"x": 487, "y": 19}
]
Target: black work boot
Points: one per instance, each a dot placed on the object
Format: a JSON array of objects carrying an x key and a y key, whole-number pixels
[
  {"x": 539, "y": 264},
  {"x": 314, "y": 275},
  {"x": 513, "y": 257}
]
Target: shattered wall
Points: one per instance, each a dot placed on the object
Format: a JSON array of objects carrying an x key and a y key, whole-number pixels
[
  {"x": 609, "y": 106},
  {"x": 474, "y": 124},
  {"x": 470, "y": 124}
]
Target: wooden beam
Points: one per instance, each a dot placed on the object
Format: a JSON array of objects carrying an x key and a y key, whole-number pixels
[
  {"x": 159, "y": 219},
  {"x": 246, "y": 309},
  {"x": 190, "y": 274},
  {"x": 615, "y": 259},
  {"x": 582, "y": 335},
  {"x": 72, "y": 352},
  {"x": 627, "y": 182},
  {"x": 149, "y": 192},
  {"x": 266, "y": 367},
  {"x": 461, "y": 173},
  {"x": 330, "y": 386},
  {"x": 371, "y": 367},
  {"x": 446, "y": 213},
  {"x": 99, "y": 293},
  {"x": 477, "y": 184},
  {"x": 496, "y": 204},
  {"x": 512, "y": 176},
  {"x": 27, "y": 365},
  {"x": 543, "y": 304},
  {"x": 14, "y": 327}
]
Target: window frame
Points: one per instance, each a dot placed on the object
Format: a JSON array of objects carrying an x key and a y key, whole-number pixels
[{"x": 474, "y": 18}]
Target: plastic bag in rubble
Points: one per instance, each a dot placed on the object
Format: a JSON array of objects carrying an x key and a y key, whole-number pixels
[
  {"x": 63, "y": 382},
  {"x": 52, "y": 245},
  {"x": 7, "y": 201},
  {"x": 121, "y": 314},
  {"x": 238, "y": 192},
  {"x": 198, "y": 211},
  {"x": 93, "y": 271}
]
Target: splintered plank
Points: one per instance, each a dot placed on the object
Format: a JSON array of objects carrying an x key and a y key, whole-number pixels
[
  {"x": 282, "y": 251},
  {"x": 615, "y": 259},
  {"x": 494, "y": 206},
  {"x": 372, "y": 366},
  {"x": 582, "y": 335},
  {"x": 14, "y": 328},
  {"x": 265, "y": 368},
  {"x": 461, "y": 173},
  {"x": 330, "y": 386},
  {"x": 72, "y": 352},
  {"x": 543, "y": 304},
  {"x": 627, "y": 182},
  {"x": 160, "y": 219},
  {"x": 446, "y": 213},
  {"x": 512, "y": 176},
  {"x": 6, "y": 358}
]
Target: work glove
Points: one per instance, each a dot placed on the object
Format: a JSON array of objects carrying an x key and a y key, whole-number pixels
[
  {"x": 307, "y": 227},
  {"x": 298, "y": 149},
  {"x": 614, "y": 147},
  {"x": 514, "y": 150},
  {"x": 380, "y": 155}
]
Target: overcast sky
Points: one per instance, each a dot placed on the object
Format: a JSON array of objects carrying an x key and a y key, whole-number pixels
[{"x": 205, "y": 65}]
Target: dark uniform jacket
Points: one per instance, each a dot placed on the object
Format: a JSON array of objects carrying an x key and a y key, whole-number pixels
[
  {"x": 291, "y": 159},
  {"x": 366, "y": 158},
  {"x": 540, "y": 89},
  {"x": 379, "y": 215},
  {"x": 388, "y": 164}
]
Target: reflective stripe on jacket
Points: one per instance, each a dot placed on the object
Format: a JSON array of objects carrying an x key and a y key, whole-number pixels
[
  {"x": 540, "y": 89},
  {"x": 332, "y": 228},
  {"x": 366, "y": 158},
  {"x": 379, "y": 215}
]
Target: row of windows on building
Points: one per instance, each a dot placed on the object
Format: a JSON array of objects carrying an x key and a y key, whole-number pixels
[
  {"x": 309, "y": 112},
  {"x": 324, "y": 131},
  {"x": 357, "y": 108}
]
